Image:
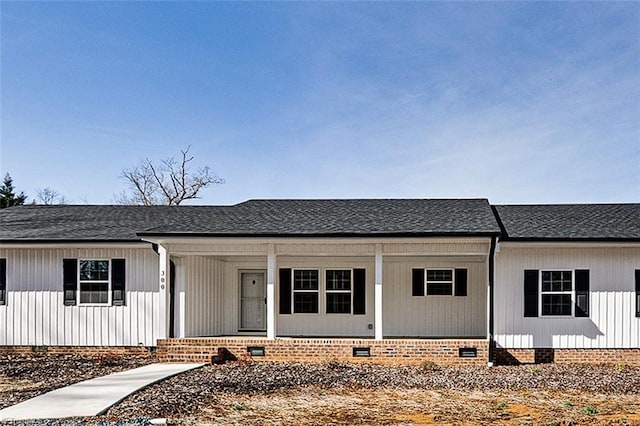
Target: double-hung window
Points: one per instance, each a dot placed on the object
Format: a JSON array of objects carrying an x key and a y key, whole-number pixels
[
  {"x": 338, "y": 291},
  {"x": 94, "y": 282},
  {"x": 556, "y": 292},
  {"x": 439, "y": 282},
  {"x": 305, "y": 291}
]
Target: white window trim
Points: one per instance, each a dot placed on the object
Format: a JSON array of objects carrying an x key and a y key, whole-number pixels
[
  {"x": 326, "y": 291},
  {"x": 572, "y": 293},
  {"x": 294, "y": 291},
  {"x": 109, "y": 291},
  {"x": 427, "y": 282}
]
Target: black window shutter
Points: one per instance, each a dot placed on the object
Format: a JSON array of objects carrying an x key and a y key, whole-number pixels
[
  {"x": 638, "y": 293},
  {"x": 70, "y": 281},
  {"x": 461, "y": 282},
  {"x": 359, "y": 292},
  {"x": 285, "y": 291},
  {"x": 3, "y": 281},
  {"x": 118, "y": 290},
  {"x": 582, "y": 292},
  {"x": 531, "y": 293},
  {"x": 418, "y": 282}
]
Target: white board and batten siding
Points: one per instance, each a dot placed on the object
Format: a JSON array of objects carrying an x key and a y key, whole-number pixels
[
  {"x": 35, "y": 313},
  {"x": 611, "y": 323},
  {"x": 433, "y": 316},
  {"x": 204, "y": 295}
]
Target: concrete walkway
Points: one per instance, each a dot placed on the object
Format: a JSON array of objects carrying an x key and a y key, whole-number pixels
[{"x": 92, "y": 397}]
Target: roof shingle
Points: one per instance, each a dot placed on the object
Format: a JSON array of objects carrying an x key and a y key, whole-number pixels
[
  {"x": 571, "y": 221},
  {"x": 252, "y": 218}
]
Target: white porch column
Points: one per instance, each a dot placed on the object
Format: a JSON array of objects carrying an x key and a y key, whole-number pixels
[
  {"x": 271, "y": 292},
  {"x": 181, "y": 299},
  {"x": 163, "y": 292},
  {"x": 378, "y": 293}
]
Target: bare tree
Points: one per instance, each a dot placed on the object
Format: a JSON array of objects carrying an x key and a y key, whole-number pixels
[
  {"x": 170, "y": 182},
  {"x": 49, "y": 196}
]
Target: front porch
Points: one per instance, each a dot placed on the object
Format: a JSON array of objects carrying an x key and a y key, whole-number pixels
[
  {"x": 462, "y": 351},
  {"x": 415, "y": 288}
]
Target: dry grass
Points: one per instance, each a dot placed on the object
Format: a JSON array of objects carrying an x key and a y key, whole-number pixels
[{"x": 347, "y": 406}]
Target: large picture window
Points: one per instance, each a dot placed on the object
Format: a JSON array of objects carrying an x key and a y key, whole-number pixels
[
  {"x": 556, "y": 292},
  {"x": 338, "y": 291},
  {"x": 305, "y": 291},
  {"x": 93, "y": 282}
]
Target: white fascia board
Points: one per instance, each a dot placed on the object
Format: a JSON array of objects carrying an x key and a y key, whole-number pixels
[
  {"x": 311, "y": 239},
  {"x": 568, "y": 244},
  {"x": 74, "y": 245}
]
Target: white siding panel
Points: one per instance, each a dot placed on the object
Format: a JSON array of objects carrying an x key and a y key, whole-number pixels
[
  {"x": 323, "y": 324},
  {"x": 612, "y": 322},
  {"x": 433, "y": 316},
  {"x": 204, "y": 282},
  {"x": 35, "y": 313}
]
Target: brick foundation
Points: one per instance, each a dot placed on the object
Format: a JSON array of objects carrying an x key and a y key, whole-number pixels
[
  {"x": 394, "y": 351},
  {"x": 505, "y": 356},
  {"x": 90, "y": 351}
]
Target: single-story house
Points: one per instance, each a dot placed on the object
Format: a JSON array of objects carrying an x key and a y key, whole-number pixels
[{"x": 452, "y": 280}]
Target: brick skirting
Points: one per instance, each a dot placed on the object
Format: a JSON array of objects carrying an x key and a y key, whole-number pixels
[
  {"x": 506, "y": 356},
  {"x": 76, "y": 350},
  {"x": 394, "y": 351}
]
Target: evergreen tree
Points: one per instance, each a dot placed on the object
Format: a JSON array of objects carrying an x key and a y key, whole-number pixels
[{"x": 8, "y": 197}]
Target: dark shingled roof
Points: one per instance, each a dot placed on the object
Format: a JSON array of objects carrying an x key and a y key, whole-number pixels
[
  {"x": 392, "y": 217},
  {"x": 571, "y": 221},
  {"x": 343, "y": 217}
]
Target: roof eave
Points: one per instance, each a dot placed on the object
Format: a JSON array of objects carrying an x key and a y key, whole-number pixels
[
  {"x": 571, "y": 239},
  {"x": 319, "y": 235}
]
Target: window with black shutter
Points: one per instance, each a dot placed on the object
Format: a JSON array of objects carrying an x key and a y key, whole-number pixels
[
  {"x": 531, "y": 293},
  {"x": 70, "y": 281},
  {"x": 118, "y": 289},
  {"x": 582, "y": 293},
  {"x": 359, "y": 292},
  {"x": 285, "y": 291},
  {"x": 3, "y": 281},
  {"x": 638, "y": 293},
  {"x": 556, "y": 293}
]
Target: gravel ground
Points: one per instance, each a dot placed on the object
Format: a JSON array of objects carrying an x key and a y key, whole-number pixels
[
  {"x": 189, "y": 392},
  {"x": 23, "y": 377},
  {"x": 220, "y": 393}
]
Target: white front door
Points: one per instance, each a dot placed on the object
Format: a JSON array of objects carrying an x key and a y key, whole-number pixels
[{"x": 253, "y": 307}]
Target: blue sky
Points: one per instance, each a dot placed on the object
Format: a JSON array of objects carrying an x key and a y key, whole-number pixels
[{"x": 524, "y": 102}]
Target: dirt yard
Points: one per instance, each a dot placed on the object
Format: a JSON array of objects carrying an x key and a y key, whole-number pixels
[{"x": 332, "y": 393}]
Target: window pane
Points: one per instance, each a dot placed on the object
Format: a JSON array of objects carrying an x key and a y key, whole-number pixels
[
  {"x": 305, "y": 280},
  {"x": 338, "y": 280},
  {"x": 556, "y": 281},
  {"x": 444, "y": 289},
  {"x": 94, "y": 270},
  {"x": 305, "y": 303},
  {"x": 94, "y": 292},
  {"x": 338, "y": 303},
  {"x": 439, "y": 275},
  {"x": 556, "y": 304}
]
